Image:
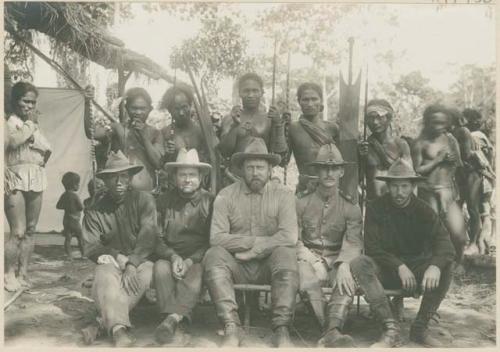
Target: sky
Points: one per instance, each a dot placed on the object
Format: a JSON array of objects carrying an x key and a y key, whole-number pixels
[{"x": 436, "y": 41}]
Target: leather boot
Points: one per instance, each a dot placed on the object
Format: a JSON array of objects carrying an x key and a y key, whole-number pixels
[
  {"x": 391, "y": 336},
  {"x": 337, "y": 311},
  {"x": 165, "y": 332},
  {"x": 420, "y": 335},
  {"x": 284, "y": 287},
  {"x": 281, "y": 337},
  {"x": 122, "y": 338},
  {"x": 220, "y": 287},
  {"x": 232, "y": 335}
]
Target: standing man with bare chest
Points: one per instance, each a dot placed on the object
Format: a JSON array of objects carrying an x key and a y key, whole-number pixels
[
  {"x": 251, "y": 120},
  {"x": 382, "y": 147},
  {"x": 310, "y": 132},
  {"x": 437, "y": 155},
  {"x": 183, "y": 132}
]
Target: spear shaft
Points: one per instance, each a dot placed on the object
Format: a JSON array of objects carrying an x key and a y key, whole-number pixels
[{"x": 274, "y": 71}]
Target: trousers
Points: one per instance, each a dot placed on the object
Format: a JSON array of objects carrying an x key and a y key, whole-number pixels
[
  {"x": 279, "y": 269},
  {"x": 113, "y": 303},
  {"x": 177, "y": 296}
]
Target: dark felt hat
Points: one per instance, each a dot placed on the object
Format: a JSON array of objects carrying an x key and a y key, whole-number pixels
[
  {"x": 401, "y": 170},
  {"x": 117, "y": 162},
  {"x": 255, "y": 149}
]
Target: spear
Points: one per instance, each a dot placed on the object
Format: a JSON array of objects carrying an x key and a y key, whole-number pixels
[
  {"x": 274, "y": 71},
  {"x": 287, "y": 102},
  {"x": 363, "y": 174}
]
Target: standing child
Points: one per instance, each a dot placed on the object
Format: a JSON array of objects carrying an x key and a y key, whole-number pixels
[{"x": 72, "y": 206}]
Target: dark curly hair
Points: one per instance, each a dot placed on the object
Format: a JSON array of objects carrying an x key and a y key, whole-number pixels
[
  {"x": 168, "y": 99},
  {"x": 250, "y": 76},
  {"x": 309, "y": 85},
  {"x": 137, "y": 92},
  {"x": 433, "y": 109},
  {"x": 19, "y": 90},
  {"x": 70, "y": 179}
]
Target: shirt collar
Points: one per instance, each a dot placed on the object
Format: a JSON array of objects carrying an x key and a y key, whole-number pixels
[
  {"x": 247, "y": 190},
  {"x": 326, "y": 197},
  {"x": 194, "y": 200}
]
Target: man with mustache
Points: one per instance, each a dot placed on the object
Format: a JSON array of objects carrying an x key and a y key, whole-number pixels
[
  {"x": 407, "y": 246},
  {"x": 139, "y": 142},
  {"x": 184, "y": 216},
  {"x": 120, "y": 234},
  {"x": 253, "y": 237},
  {"x": 251, "y": 120},
  {"x": 310, "y": 132},
  {"x": 330, "y": 237}
]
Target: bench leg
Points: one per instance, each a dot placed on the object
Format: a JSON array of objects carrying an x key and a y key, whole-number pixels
[{"x": 247, "y": 310}]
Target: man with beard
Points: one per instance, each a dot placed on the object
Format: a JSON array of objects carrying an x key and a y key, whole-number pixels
[
  {"x": 330, "y": 237},
  {"x": 120, "y": 234},
  {"x": 310, "y": 132},
  {"x": 437, "y": 155},
  {"x": 406, "y": 247},
  {"x": 140, "y": 142},
  {"x": 382, "y": 147},
  {"x": 251, "y": 120},
  {"x": 253, "y": 237},
  {"x": 184, "y": 217}
]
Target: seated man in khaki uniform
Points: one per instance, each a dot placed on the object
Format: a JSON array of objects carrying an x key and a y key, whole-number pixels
[
  {"x": 120, "y": 234},
  {"x": 329, "y": 238},
  {"x": 253, "y": 238}
]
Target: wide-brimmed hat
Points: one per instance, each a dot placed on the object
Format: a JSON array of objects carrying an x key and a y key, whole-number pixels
[
  {"x": 118, "y": 162},
  {"x": 401, "y": 170},
  {"x": 188, "y": 158},
  {"x": 255, "y": 149},
  {"x": 329, "y": 155}
]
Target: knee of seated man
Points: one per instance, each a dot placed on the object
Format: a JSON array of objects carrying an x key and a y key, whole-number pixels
[
  {"x": 162, "y": 267},
  {"x": 105, "y": 272},
  {"x": 284, "y": 258},
  {"x": 215, "y": 256},
  {"x": 362, "y": 264}
]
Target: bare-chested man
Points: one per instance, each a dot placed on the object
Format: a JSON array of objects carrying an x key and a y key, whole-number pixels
[
  {"x": 437, "y": 155},
  {"x": 183, "y": 132},
  {"x": 310, "y": 132},
  {"x": 382, "y": 147},
  {"x": 251, "y": 120},
  {"x": 137, "y": 140}
]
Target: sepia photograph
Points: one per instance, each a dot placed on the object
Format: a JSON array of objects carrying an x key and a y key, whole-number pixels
[{"x": 259, "y": 174}]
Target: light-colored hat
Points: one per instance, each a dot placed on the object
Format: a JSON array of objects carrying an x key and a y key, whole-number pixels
[
  {"x": 118, "y": 162},
  {"x": 329, "y": 155},
  {"x": 255, "y": 149},
  {"x": 401, "y": 170},
  {"x": 187, "y": 158}
]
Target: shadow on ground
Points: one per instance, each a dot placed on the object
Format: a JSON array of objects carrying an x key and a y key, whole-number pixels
[{"x": 57, "y": 308}]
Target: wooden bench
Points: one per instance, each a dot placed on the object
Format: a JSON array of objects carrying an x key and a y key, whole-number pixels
[{"x": 246, "y": 289}]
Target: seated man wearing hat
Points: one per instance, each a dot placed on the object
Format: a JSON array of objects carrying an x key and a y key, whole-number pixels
[
  {"x": 253, "y": 237},
  {"x": 120, "y": 234},
  {"x": 407, "y": 246},
  {"x": 184, "y": 218},
  {"x": 330, "y": 237}
]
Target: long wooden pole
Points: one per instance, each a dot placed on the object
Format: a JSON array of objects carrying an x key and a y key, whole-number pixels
[
  {"x": 363, "y": 168},
  {"x": 274, "y": 71}
]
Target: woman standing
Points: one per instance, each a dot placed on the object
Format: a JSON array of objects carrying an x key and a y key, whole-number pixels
[{"x": 26, "y": 154}]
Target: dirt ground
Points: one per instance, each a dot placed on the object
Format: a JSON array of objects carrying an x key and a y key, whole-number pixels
[{"x": 54, "y": 311}]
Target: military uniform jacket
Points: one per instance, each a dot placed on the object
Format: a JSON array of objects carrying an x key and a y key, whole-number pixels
[{"x": 329, "y": 227}]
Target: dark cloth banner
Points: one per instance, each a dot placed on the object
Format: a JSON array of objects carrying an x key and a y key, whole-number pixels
[{"x": 349, "y": 133}]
